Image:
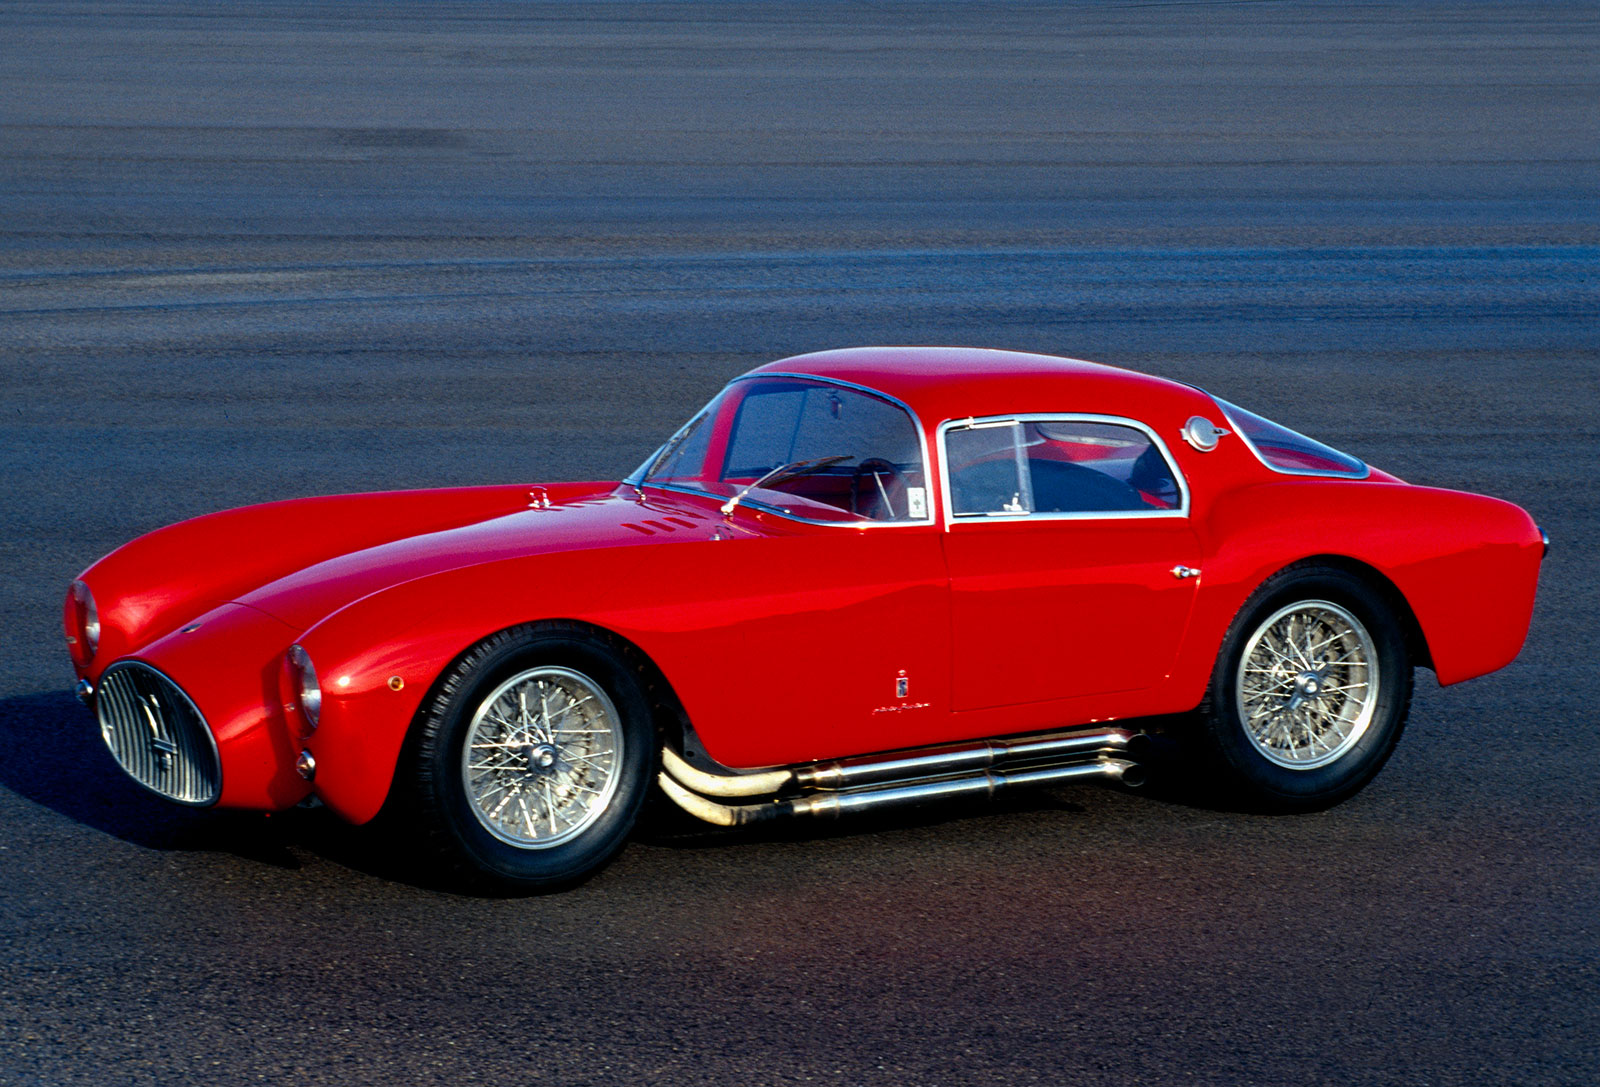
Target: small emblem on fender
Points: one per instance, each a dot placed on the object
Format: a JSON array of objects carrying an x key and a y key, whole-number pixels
[{"x": 902, "y": 685}]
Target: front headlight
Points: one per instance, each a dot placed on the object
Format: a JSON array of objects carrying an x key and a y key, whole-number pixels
[
  {"x": 83, "y": 619},
  {"x": 307, "y": 689}
]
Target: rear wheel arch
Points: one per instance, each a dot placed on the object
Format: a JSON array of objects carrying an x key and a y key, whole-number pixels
[
  {"x": 1379, "y": 582},
  {"x": 1272, "y": 763}
]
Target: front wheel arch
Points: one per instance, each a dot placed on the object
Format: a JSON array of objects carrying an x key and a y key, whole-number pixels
[
  {"x": 414, "y": 812},
  {"x": 670, "y": 718}
]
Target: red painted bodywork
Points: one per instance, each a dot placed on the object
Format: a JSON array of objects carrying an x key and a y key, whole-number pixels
[{"x": 784, "y": 640}]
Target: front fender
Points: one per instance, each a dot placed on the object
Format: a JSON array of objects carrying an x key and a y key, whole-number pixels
[
  {"x": 156, "y": 583},
  {"x": 379, "y": 658}
]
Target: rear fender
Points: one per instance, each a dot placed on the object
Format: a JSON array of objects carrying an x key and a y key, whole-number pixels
[{"x": 1466, "y": 565}]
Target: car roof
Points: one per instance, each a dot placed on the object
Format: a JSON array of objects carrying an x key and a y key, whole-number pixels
[{"x": 941, "y": 383}]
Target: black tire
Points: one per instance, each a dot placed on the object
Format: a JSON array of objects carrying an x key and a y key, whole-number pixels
[
  {"x": 1277, "y": 764},
  {"x": 469, "y": 841}
]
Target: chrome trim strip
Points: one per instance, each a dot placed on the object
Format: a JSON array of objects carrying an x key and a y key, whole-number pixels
[
  {"x": 636, "y": 479},
  {"x": 951, "y": 518}
]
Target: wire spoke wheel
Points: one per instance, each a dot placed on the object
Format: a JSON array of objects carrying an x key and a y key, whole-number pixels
[
  {"x": 542, "y": 757},
  {"x": 1308, "y": 684}
]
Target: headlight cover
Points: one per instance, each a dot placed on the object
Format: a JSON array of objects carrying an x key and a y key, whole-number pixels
[
  {"x": 85, "y": 615},
  {"x": 307, "y": 689}
]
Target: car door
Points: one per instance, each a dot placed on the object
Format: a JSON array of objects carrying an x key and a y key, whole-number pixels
[
  {"x": 813, "y": 622},
  {"x": 1071, "y": 557}
]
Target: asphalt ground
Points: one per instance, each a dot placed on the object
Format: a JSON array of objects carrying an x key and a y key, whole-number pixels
[{"x": 255, "y": 251}]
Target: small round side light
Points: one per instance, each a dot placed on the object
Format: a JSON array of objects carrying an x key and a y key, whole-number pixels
[{"x": 307, "y": 689}]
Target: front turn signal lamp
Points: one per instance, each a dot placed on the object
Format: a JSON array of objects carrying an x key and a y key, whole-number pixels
[{"x": 307, "y": 690}]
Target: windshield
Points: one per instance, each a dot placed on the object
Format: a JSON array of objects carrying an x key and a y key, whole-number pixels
[{"x": 807, "y": 448}]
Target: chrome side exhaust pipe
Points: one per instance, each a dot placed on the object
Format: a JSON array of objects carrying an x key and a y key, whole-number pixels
[
  {"x": 946, "y": 759},
  {"x": 847, "y": 802},
  {"x": 900, "y": 778},
  {"x": 960, "y": 758}
]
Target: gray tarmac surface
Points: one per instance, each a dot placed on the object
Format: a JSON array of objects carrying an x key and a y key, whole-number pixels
[{"x": 262, "y": 250}]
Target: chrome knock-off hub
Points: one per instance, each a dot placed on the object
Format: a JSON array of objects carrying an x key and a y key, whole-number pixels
[
  {"x": 1307, "y": 685},
  {"x": 541, "y": 756}
]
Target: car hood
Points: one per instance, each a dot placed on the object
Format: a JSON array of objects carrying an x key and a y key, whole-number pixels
[{"x": 615, "y": 520}]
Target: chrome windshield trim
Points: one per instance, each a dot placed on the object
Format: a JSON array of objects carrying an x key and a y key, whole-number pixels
[
  {"x": 952, "y": 518},
  {"x": 637, "y": 481}
]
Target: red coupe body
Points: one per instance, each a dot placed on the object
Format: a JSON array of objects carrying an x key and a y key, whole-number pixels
[{"x": 786, "y": 637}]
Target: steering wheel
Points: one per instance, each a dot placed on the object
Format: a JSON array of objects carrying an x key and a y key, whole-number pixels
[{"x": 879, "y": 496}]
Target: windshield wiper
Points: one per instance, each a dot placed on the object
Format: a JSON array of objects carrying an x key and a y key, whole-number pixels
[{"x": 782, "y": 471}]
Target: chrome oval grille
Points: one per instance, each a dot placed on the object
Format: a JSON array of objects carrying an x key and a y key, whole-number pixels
[{"x": 157, "y": 735}]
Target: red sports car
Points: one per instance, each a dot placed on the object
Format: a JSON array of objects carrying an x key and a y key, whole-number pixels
[{"x": 855, "y": 579}]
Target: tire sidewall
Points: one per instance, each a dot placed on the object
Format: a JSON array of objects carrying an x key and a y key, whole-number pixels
[
  {"x": 440, "y": 764},
  {"x": 1280, "y": 786}
]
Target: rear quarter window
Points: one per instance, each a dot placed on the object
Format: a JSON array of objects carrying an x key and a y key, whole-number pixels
[{"x": 1288, "y": 451}]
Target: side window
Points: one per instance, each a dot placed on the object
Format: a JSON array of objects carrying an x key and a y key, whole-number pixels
[
  {"x": 1050, "y": 466},
  {"x": 857, "y": 456},
  {"x": 988, "y": 474}
]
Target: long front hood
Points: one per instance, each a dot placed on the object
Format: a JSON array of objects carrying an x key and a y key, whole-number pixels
[{"x": 307, "y": 596}]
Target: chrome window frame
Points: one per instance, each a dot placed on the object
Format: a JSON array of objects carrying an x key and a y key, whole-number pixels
[
  {"x": 947, "y": 502},
  {"x": 637, "y": 481}
]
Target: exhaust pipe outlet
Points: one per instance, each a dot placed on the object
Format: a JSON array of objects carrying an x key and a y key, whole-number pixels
[
  {"x": 722, "y": 815},
  {"x": 761, "y": 784}
]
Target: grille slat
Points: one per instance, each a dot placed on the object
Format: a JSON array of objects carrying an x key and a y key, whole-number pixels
[{"x": 157, "y": 734}]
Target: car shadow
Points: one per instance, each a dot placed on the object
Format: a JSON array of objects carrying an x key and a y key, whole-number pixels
[
  {"x": 56, "y": 759},
  {"x": 667, "y": 825}
]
